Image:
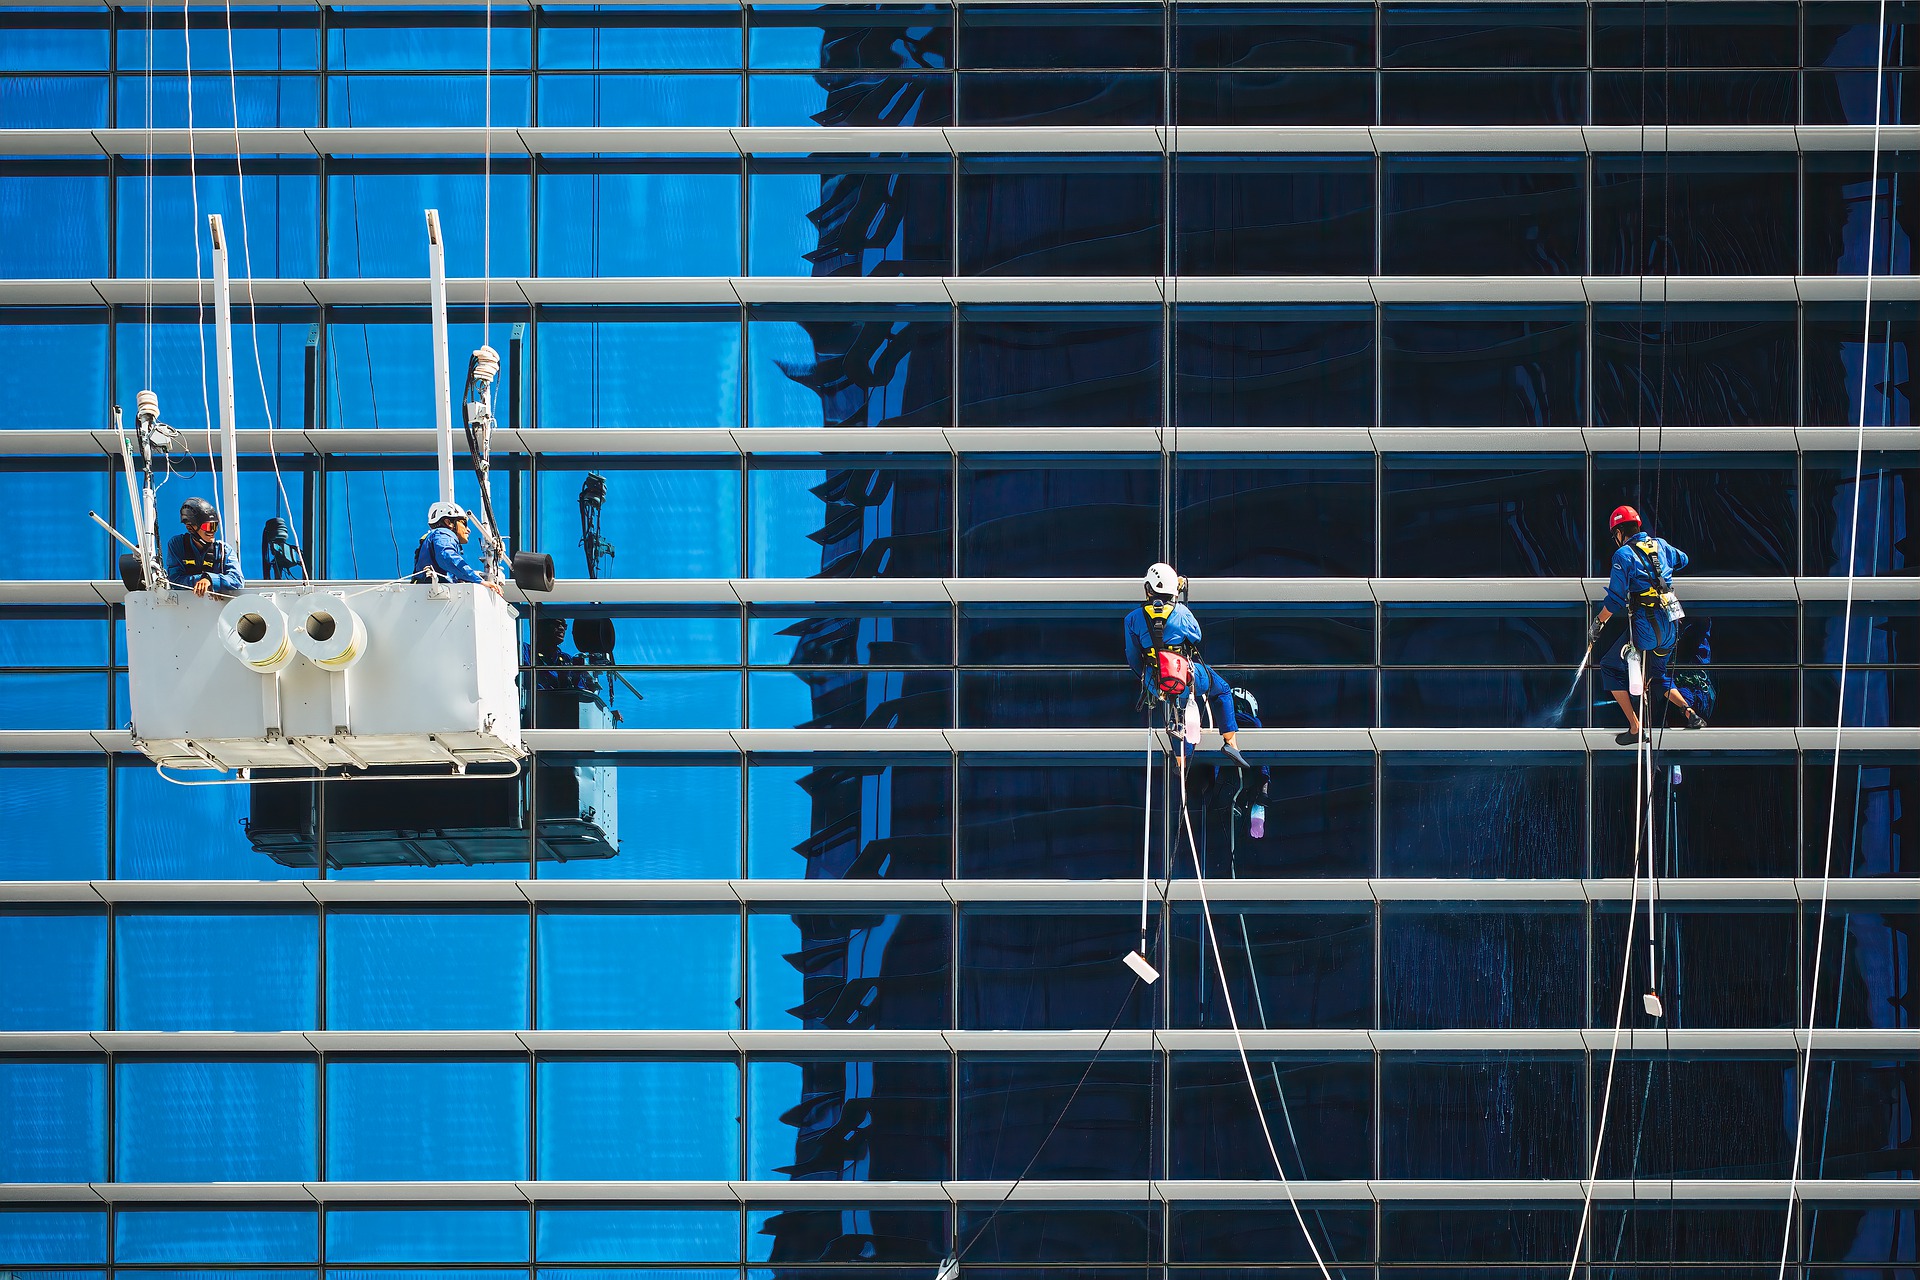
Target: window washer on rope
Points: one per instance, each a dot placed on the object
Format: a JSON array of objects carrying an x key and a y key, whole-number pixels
[
  {"x": 1640, "y": 584},
  {"x": 198, "y": 559},
  {"x": 438, "y": 556},
  {"x": 1163, "y": 648},
  {"x": 1686, "y": 666}
]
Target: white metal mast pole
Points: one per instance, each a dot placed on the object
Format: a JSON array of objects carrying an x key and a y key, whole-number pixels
[
  {"x": 442, "y": 382},
  {"x": 223, "y": 352}
]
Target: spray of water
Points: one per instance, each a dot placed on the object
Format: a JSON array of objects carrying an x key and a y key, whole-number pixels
[{"x": 1559, "y": 713}]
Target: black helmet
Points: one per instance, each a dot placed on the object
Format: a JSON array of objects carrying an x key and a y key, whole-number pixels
[{"x": 197, "y": 511}]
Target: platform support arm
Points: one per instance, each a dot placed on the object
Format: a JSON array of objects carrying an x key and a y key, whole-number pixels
[
  {"x": 223, "y": 354},
  {"x": 442, "y": 378}
]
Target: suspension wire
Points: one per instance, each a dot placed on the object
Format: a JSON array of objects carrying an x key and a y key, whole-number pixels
[
  {"x": 486, "y": 194},
  {"x": 1620, "y": 998},
  {"x": 199, "y": 279},
  {"x": 253, "y": 311},
  {"x": 147, "y": 192},
  {"x": 1804, "y": 1063}
]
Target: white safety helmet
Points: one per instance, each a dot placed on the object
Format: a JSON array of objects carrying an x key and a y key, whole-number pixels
[
  {"x": 446, "y": 511},
  {"x": 1163, "y": 581}
]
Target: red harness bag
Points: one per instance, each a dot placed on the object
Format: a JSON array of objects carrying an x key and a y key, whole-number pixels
[{"x": 1172, "y": 674}]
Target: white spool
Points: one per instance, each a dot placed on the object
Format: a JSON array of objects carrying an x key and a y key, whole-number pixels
[
  {"x": 255, "y": 631},
  {"x": 328, "y": 633}
]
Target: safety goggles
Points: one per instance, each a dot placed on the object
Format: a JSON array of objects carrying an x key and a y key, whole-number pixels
[{"x": 208, "y": 526}]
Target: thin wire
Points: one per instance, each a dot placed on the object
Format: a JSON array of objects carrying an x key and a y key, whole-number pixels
[
  {"x": 1805, "y": 1060},
  {"x": 199, "y": 279},
  {"x": 253, "y": 313},
  {"x": 1240, "y": 1043},
  {"x": 486, "y": 195},
  {"x": 1619, "y": 1006}
]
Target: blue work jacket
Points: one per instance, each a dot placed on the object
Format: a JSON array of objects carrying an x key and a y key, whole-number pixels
[
  {"x": 437, "y": 557},
  {"x": 189, "y": 560},
  {"x": 1182, "y": 628},
  {"x": 1631, "y": 574}
]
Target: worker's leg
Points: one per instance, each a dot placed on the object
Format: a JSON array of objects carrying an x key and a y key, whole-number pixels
[
  {"x": 1625, "y": 700},
  {"x": 1211, "y": 685}
]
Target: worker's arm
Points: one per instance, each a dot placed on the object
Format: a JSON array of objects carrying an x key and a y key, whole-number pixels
[
  {"x": 1136, "y": 643},
  {"x": 448, "y": 560},
  {"x": 1616, "y": 597},
  {"x": 1678, "y": 558},
  {"x": 228, "y": 580}
]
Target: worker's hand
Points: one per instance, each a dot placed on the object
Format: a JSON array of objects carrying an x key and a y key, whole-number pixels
[
  {"x": 495, "y": 588},
  {"x": 1593, "y": 632},
  {"x": 201, "y": 587}
]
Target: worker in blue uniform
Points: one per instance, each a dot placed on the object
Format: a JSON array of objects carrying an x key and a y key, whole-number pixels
[
  {"x": 1686, "y": 666},
  {"x": 1640, "y": 585},
  {"x": 438, "y": 556},
  {"x": 197, "y": 559},
  {"x": 1163, "y": 648}
]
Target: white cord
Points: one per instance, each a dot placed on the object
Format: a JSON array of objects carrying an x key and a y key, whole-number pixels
[
  {"x": 1804, "y": 1062},
  {"x": 1240, "y": 1043},
  {"x": 199, "y": 280},
  {"x": 486, "y": 193}
]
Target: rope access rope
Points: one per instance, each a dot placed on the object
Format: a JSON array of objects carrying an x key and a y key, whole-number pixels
[
  {"x": 199, "y": 277},
  {"x": 1804, "y": 1060}
]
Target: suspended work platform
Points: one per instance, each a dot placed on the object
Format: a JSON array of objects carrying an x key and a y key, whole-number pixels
[{"x": 312, "y": 676}]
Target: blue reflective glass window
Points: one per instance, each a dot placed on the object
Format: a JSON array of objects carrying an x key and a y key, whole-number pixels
[
  {"x": 1046, "y": 37},
  {"x": 1726, "y": 817},
  {"x": 448, "y": 1118},
  {"x": 1319, "y": 821},
  {"x": 1694, "y": 366},
  {"x": 857, "y": 217},
  {"x": 890, "y": 635},
  {"x": 681, "y": 518},
  {"x": 850, "y": 367},
  {"x": 49, "y": 485},
  {"x": 1838, "y": 188},
  {"x": 1836, "y": 345},
  {"x": 379, "y": 513},
  {"x": 427, "y": 1235},
  {"x": 376, "y": 224},
  {"x": 157, "y": 219},
  {"x": 53, "y": 101},
  {"x": 889, "y": 972},
  {"x": 1007, "y": 1106},
  {"x": 1700, "y": 1137},
  {"x": 1089, "y": 518},
  {"x": 1287, "y": 969},
  {"x": 1455, "y": 366},
  {"x": 1465, "y": 968},
  {"x": 639, "y": 38},
  {"x": 1459, "y": 517},
  {"x": 1731, "y": 515},
  {"x": 799, "y": 1114},
  {"x": 53, "y": 821},
  {"x": 1278, "y": 217},
  {"x": 589, "y": 959},
  {"x": 1507, "y": 215},
  {"x": 53, "y": 1121},
  {"x": 805, "y": 38},
  {"x": 189, "y": 1236},
  {"x": 1032, "y": 972},
  {"x": 1274, "y": 97},
  {"x": 208, "y": 971},
  {"x": 1694, "y": 214},
  {"x": 256, "y": 41},
  {"x": 1726, "y": 968},
  {"x": 209, "y": 98},
  {"x": 1226, "y": 508},
  {"x": 871, "y": 99},
  {"x": 1060, "y": 98},
  {"x": 68, "y": 342},
  {"x": 855, "y": 820},
  {"x": 1026, "y": 368},
  {"x": 1474, "y": 698},
  {"x": 67, "y": 949},
  {"x": 463, "y": 41},
  {"x": 1062, "y": 820},
  {"x": 1060, "y": 216},
  {"x": 903, "y": 1235},
  {"x": 174, "y": 357},
  {"x": 667, "y": 700},
  {"x": 1873, "y": 792},
  {"x": 1886, "y": 491},
  {"x": 441, "y": 970},
  {"x": 1520, "y": 818},
  {"x": 34, "y": 1236},
  {"x": 203, "y": 838},
  {"x": 1052, "y": 699},
  {"x": 380, "y": 361},
  {"x": 655, "y": 367},
  {"x": 639, "y": 1119},
  {"x": 415, "y": 100},
  {"x": 1274, "y": 35},
  {"x": 850, "y": 699},
  {"x": 1113, "y": 1233},
  {"x": 57, "y": 212},
  {"x": 1320, "y": 1115},
  {"x": 50, "y": 700},
  {"x": 1506, "y": 1116},
  {"x": 689, "y": 816},
  {"x": 229, "y": 1120},
  {"x": 640, "y": 218},
  {"x": 1257, "y": 1235},
  {"x": 606, "y": 1233},
  {"x": 54, "y": 41},
  {"x": 1278, "y": 366},
  {"x": 639, "y": 101},
  {"x": 850, "y": 518}
]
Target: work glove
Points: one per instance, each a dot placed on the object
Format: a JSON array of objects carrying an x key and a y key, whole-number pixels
[{"x": 1593, "y": 632}]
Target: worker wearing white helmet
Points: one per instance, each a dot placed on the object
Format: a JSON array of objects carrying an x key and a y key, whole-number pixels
[
  {"x": 1163, "y": 648},
  {"x": 438, "y": 556}
]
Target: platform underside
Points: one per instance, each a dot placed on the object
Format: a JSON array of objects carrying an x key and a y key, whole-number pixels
[{"x": 438, "y": 752}]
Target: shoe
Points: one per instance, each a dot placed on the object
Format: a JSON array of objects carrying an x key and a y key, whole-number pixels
[
  {"x": 1233, "y": 754},
  {"x": 1693, "y": 719},
  {"x": 1627, "y": 738}
]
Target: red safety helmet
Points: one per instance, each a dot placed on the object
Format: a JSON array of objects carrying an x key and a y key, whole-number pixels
[{"x": 1620, "y": 516}]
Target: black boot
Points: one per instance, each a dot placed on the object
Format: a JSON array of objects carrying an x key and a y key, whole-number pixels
[
  {"x": 1693, "y": 719},
  {"x": 1233, "y": 754},
  {"x": 1626, "y": 738}
]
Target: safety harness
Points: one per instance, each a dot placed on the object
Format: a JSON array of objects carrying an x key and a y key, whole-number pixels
[
  {"x": 203, "y": 558},
  {"x": 1169, "y": 666},
  {"x": 1659, "y": 595}
]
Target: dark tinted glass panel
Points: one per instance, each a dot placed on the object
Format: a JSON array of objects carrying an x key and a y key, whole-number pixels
[
  {"x": 1464, "y": 819},
  {"x": 1513, "y": 216},
  {"x": 1693, "y": 1106},
  {"x": 1483, "y": 35},
  {"x": 850, "y": 518},
  {"x": 1509, "y": 1234},
  {"x": 1078, "y": 521},
  {"x": 1839, "y": 188},
  {"x": 1294, "y": 366},
  {"x": 1319, "y": 819},
  {"x": 1007, "y": 1106},
  {"x": 1471, "y": 699},
  {"x": 1693, "y": 97},
  {"x": 1273, "y": 517},
  {"x": 848, "y": 971},
  {"x": 1105, "y": 1234},
  {"x": 1714, "y": 968},
  {"x": 1480, "y": 635},
  {"x": 1722, "y": 817},
  {"x": 1273, "y": 97},
  {"x": 1034, "y": 369},
  {"x": 1837, "y": 345},
  {"x": 1702, "y": 35},
  {"x": 1694, "y": 215},
  {"x": 1447, "y": 518},
  {"x": 849, "y": 367},
  {"x": 1730, "y": 515},
  {"x": 1244, "y": 35},
  {"x": 879, "y": 217},
  {"x": 1486, "y": 367},
  {"x": 1497, "y": 97},
  {"x": 1869, "y": 836},
  {"x": 1889, "y": 492},
  {"x": 850, "y": 699},
  {"x": 1450, "y": 967},
  {"x": 855, "y": 1121},
  {"x": 1012, "y": 635},
  {"x": 1049, "y": 699},
  {"x": 1259, "y": 217},
  {"x": 1054, "y": 971},
  {"x": 1693, "y": 366},
  {"x": 1043, "y": 37},
  {"x": 1283, "y": 969},
  {"x": 1214, "y": 1234},
  {"x": 1319, "y": 1113},
  {"x": 1061, "y": 98},
  {"x": 1060, "y": 216},
  {"x": 1310, "y": 633},
  {"x": 1508, "y": 1117},
  {"x": 1054, "y": 821}
]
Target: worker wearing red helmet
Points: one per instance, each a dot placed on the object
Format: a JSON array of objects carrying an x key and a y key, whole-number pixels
[{"x": 1640, "y": 585}]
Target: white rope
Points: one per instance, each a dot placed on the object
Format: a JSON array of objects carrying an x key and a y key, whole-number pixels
[
  {"x": 199, "y": 277},
  {"x": 1804, "y": 1062},
  {"x": 1240, "y": 1043},
  {"x": 486, "y": 194},
  {"x": 1620, "y": 999},
  {"x": 1146, "y": 842}
]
